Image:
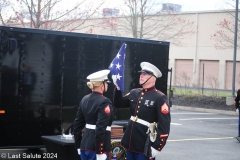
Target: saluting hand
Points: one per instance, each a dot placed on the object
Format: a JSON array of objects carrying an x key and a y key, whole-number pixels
[{"x": 114, "y": 78}]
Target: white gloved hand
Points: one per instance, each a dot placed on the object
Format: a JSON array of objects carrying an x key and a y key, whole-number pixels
[
  {"x": 154, "y": 152},
  {"x": 79, "y": 151},
  {"x": 114, "y": 78},
  {"x": 101, "y": 156}
]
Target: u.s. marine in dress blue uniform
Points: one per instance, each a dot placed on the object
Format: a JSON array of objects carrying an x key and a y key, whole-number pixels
[
  {"x": 237, "y": 105},
  {"x": 95, "y": 113},
  {"x": 147, "y": 105}
]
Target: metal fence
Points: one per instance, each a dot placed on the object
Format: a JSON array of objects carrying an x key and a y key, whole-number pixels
[{"x": 204, "y": 77}]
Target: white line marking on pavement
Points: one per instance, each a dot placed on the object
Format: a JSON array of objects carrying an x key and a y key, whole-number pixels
[
  {"x": 199, "y": 139},
  {"x": 176, "y": 124},
  {"x": 193, "y": 113},
  {"x": 189, "y": 119}
]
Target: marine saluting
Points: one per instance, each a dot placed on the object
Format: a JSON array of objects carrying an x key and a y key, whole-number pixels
[{"x": 149, "y": 125}]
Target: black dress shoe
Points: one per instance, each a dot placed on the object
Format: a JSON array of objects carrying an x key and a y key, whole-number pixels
[{"x": 238, "y": 138}]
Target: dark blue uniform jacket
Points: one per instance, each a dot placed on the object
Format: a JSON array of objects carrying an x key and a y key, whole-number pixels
[
  {"x": 150, "y": 105},
  {"x": 94, "y": 109}
]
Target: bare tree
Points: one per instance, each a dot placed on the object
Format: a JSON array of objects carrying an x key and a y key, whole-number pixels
[
  {"x": 213, "y": 83},
  {"x": 3, "y": 5},
  {"x": 224, "y": 36},
  {"x": 196, "y": 86},
  {"x": 50, "y": 14},
  {"x": 183, "y": 81},
  {"x": 145, "y": 19},
  {"x": 110, "y": 23}
]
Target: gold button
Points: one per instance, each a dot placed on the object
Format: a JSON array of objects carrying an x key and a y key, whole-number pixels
[
  {"x": 141, "y": 97},
  {"x": 158, "y": 148},
  {"x": 138, "y": 106},
  {"x": 101, "y": 144},
  {"x": 139, "y": 101},
  {"x": 142, "y": 93},
  {"x": 160, "y": 144},
  {"x": 137, "y": 111}
]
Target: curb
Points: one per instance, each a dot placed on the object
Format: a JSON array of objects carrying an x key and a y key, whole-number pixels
[{"x": 205, "y": 110}]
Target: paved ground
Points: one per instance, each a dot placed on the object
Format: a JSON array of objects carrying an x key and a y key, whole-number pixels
[
  {"x": 196, "y": 134},
  {"x": 199, "y": 135},
  {"x": 205, "y": 110}
]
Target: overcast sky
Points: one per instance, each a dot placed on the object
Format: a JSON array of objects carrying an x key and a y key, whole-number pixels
[
  {"x": 187, "y": 5},
  {"x": 200, "y": 5}
]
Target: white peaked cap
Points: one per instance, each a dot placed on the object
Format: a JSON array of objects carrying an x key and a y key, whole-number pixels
[
  {"x": 99, "y": 76},
  {"x": 150, "y": 69}
]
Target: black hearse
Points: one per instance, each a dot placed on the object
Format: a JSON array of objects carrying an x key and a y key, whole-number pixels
[{"x": 43, "y": 78}]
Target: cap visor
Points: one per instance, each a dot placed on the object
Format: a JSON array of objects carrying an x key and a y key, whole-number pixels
[
  {"x": 145, "y": 71},
  {"x": 107, "y": 81}
]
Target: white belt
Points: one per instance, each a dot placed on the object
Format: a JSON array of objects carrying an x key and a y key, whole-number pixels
[
  {"x": 91, "y": 126},
  {"x": 136, "y": 119}
]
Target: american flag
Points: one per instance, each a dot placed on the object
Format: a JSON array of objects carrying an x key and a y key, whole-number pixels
[{"x": 117, "y": 68}]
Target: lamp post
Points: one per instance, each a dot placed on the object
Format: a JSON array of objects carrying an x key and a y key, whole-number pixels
[{"x": 235, "y": 49}]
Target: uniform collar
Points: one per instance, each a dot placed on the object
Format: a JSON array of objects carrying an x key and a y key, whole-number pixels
[
  {"x": 97, "y": 92},
  {"x": 148, "y": 89}
]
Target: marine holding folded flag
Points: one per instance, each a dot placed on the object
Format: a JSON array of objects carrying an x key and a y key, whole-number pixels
[
  {"x": 149, "y": 125},
  {"x": 95, "y": 113}
]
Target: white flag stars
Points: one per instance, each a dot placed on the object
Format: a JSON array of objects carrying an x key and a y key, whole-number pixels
[
  {"x": 117, "y": 68},
  {"x": 118, "y": 55},
  {"x": 111, "y": 65},
  {"x": 118, "y": 76}
]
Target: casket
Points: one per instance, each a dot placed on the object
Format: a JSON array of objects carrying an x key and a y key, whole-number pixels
[
  {"x": 117, "y": 151},
  {"x": 64, "y": 148}
]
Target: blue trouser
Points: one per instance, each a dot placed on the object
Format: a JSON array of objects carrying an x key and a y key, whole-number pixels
[
  {"x": 239, "y": 124},
  {"x": 136, "y": 156},
  {"x": 87, "y": 155}
]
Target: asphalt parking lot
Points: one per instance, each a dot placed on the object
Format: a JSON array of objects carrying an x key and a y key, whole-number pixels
[
  {"x": 201, "y": 136},
  {"x": 195, "y": 135}
]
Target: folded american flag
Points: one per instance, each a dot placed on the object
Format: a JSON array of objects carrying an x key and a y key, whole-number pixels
[{"x": 117, "y": 68}]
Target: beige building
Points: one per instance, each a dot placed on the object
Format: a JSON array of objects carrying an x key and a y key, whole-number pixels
[{"x": 196, "y": 59}]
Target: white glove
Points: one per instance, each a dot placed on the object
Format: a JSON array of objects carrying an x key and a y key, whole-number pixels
[
  {"x": 154, "y": 152},
  {"x": 114, "y": 78},
  {"x": 101, "y": 156},
  {"x": 79, "y": 151}
]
